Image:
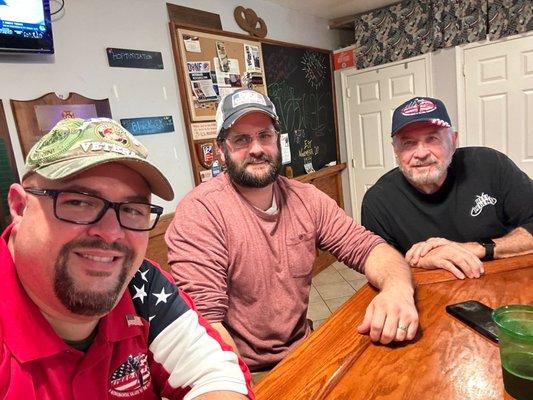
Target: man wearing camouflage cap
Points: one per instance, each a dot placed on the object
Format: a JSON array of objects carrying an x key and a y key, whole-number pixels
[
  {"x": 243, "y": 245},
  {"x": 83, "y": 315}
]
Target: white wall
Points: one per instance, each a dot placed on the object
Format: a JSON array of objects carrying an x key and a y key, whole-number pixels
[
  {"x": 444, "y": 80},
  {"x": 86, "y": 28}
]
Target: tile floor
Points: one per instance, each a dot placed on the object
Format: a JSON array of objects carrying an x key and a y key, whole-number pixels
[{"x": 330, "y": 289}]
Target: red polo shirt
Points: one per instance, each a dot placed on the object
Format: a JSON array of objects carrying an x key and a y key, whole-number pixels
[{"x": 35, "y": 363}]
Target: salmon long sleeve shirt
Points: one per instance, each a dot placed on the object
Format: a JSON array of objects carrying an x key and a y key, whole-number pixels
[{"x": 251, "y": 270}]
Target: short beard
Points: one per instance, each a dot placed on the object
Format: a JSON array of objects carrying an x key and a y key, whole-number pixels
[
  {"x": 430, "y": 178},
  {"x": 86, "y": 302},
  {"x": 242, "y": 177}
]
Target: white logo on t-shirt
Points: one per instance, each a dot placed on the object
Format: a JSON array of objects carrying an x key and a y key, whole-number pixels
[{"x": 482, "y": 200}]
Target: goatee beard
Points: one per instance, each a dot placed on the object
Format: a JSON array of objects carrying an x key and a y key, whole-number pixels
[{"x": 86, "y": 302}]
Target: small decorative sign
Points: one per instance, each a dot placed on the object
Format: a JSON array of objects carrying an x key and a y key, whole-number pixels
[
  {"x": 148, "y": 125},
  {"x": 204, "y": 130},
  {"x": 344, "y": 58},
  {"x": 128, "y": 58}
]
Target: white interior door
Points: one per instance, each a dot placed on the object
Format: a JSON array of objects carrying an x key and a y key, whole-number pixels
[
  {"x": 499, "y": 98},
  {"x": 370, "y": 98}
]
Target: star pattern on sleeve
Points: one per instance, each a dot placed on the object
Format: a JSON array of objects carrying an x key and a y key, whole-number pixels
[
  {"x": 143, "y": 274},
  {"x": 162, "y": 296},
  {"x": 140, "y": 293},
  {"x": 156, "y": 298}
]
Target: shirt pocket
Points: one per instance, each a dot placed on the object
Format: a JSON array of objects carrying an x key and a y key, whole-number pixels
[{"x": 301, "y": 253}]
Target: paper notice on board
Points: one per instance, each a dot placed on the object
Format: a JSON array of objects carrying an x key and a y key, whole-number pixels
[
  {"x": 232, "y": 77},
  {"x": 225, "y": 91},
  {"x": 204, "y": 130},
  {"x": 252, "y": 58},
  {"x": 201, "y": 82},
  {"x": 309, "y": 167},
  {"x": 285, "y": 148},
  {"x": 192, "y": 44}
]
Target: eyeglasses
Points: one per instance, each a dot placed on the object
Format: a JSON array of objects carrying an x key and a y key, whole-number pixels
[
  {"x": 242, "y": 140},
  {"x": 85, "y": 209}
]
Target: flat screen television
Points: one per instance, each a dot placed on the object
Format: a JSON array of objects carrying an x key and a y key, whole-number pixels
[{"x": 25, "y": 26}]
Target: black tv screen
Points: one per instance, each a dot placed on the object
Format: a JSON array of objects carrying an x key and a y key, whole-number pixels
[{"x": 25, "y": 26}]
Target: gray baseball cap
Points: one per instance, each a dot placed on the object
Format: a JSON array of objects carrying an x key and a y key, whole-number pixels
[
  {"x": 239, "y": 103},
  {"x": 75, "y": 145}
]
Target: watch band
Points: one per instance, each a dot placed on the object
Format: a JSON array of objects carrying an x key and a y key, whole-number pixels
[{"x": 488, "y": 245}]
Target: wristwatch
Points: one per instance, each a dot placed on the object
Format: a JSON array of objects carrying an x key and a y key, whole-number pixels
[{"x": 488, "y": 245}]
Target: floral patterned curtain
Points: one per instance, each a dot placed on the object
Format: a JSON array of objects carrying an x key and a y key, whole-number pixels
[
  {"x": 416, "y": 27},
  {"x": 394, "y": 33},
  {"x": 459, "y": 22},
  {"x": 509, "y": 17}
]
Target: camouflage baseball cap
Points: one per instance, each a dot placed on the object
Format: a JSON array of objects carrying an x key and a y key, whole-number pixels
[{"x": 75, "y": 145}]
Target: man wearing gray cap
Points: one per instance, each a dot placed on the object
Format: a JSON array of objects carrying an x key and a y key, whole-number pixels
[
  {"x": 243, "y": 245},
  {"x": 83, "y": 315},
  {"x": 446, "y": 207}
]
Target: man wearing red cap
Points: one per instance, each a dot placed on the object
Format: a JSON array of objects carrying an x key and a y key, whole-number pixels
[
  {"x": 445, "y": 207},
  {"x": 243, "y": 245}
]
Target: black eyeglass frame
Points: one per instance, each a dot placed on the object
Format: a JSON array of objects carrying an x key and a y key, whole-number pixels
[{"x": 155, "y": 210}]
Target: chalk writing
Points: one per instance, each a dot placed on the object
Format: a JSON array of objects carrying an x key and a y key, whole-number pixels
[
  {"x": 299, "y": 85},
  {"x": 148, "y": 125},
  {"x": 129, "y": 58}
]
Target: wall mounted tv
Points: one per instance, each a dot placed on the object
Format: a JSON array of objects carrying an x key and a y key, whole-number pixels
[{"x": 25, "y": 26}]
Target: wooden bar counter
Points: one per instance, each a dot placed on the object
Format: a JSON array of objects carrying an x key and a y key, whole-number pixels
[{"x": 447, "y": 359}]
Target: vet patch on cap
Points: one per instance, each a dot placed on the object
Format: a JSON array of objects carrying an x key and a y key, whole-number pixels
[{"x": 247, "y": 97}]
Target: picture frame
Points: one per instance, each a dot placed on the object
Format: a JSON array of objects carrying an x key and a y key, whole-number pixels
[{"x": 34, "y": 118}]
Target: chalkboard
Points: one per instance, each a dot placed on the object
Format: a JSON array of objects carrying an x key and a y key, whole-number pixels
[
  {"x": 299, "y": 84},
  {"x": 129, "y": 58}
]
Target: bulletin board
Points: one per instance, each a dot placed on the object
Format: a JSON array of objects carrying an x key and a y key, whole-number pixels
[
  {"x": 202, "y": 55},
  {"x": 209, "y": 66},
  {"x": 302, "y": 90}
]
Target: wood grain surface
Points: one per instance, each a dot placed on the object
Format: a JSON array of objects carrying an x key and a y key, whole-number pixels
[{"x": 447, "y": 359}]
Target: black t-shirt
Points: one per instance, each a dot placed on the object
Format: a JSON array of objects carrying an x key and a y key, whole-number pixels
[{"x": 485, "y": 195}]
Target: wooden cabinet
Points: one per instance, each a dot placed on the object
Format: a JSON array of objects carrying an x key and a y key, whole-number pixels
[{"x": 329, "y": 181}]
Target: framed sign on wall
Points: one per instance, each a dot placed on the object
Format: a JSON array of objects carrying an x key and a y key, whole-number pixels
[{"x": 34, "y": 118}]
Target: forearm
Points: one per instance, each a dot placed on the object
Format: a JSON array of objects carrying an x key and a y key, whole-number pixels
[
  {"x": 225, "y": 336},
  {"x": 221, "y": 395},
  {"x": 385, "y": 267},
  {"x": 517, "y": 242}
]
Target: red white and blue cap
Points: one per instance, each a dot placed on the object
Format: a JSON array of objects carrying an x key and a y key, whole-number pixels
[{"x": 420, "y": 109}]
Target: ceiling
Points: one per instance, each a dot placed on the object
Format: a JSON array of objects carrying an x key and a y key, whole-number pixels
[{"x": 333, "y": 9}]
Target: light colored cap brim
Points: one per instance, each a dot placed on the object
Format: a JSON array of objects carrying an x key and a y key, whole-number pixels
[{"x": 159, "y": 185}]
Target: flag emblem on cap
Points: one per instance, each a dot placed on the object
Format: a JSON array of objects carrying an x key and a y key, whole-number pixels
[
  {"x": 112, "y": 132},
  {"x": 131, "y": 377},
  {"x": 418, "y": 106}
]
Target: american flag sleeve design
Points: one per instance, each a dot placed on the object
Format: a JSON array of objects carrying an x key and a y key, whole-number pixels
[{"x": 182, "y": 344}]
